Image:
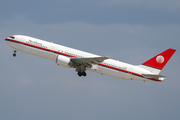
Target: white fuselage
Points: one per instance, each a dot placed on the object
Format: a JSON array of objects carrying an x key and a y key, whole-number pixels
[{"x": 51, "y": 50}]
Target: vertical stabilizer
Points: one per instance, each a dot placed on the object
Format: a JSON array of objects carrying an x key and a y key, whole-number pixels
[{"x": 157, "y": 63}]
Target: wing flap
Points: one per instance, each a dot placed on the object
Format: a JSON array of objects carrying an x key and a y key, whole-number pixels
[{"x": 89, "y": 61}]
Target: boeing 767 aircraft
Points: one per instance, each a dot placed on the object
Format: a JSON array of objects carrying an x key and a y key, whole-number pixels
[{"x": 82, "y": 61}]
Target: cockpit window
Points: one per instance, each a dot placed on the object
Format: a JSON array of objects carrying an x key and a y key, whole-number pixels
[{"x": 12, "y": 37}]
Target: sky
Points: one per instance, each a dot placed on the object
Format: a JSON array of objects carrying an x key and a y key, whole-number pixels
[{"x": 130, "y": 31}]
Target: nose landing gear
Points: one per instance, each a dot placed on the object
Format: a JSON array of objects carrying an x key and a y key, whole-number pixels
[{"x": 14, "y": 53}]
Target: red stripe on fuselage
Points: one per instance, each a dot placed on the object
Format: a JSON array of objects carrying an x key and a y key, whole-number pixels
[{"x": 120, "y": 69}]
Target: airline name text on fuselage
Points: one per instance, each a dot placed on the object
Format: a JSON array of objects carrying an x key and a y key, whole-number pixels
[{"x": 35, "y": 43}]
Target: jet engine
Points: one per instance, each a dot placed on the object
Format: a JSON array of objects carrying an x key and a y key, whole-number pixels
[{"x": 63, "y": 61}]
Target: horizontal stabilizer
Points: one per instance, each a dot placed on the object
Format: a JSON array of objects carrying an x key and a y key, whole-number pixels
[{"x": 153, "y": 76}]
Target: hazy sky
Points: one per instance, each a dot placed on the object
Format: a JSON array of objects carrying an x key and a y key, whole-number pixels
[{"x": 34, "y": 88}]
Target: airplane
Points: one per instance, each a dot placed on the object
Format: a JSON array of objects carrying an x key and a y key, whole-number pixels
[{"x": 82, "y": 61}]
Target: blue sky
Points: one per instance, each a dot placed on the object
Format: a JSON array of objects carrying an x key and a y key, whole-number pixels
[{"x": 130, "y": 31}]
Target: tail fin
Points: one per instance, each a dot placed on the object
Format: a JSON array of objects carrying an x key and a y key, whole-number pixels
[{"x": 157, "y": 63}]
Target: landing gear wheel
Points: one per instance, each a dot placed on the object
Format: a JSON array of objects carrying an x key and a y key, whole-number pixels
[
  {"x": 80, "y": 74},
  {"x": 14, "y": 53},
  {"x": 84, "y": 73}
]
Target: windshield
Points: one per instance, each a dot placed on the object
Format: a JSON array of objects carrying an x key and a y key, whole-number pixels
[{"x": 12, "y": 37}]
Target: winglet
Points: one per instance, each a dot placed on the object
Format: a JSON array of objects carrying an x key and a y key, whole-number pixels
[{"x": 160, "y": 60}]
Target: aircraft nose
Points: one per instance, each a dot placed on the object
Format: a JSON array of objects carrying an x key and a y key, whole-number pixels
[
  {"x": 11, "y": 37},
  {"x": 6, "y": 39}
]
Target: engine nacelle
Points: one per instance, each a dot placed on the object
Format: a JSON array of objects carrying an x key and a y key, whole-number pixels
[{"x": 63, "y": 61}]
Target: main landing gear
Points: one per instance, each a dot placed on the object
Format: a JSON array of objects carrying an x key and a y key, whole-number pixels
[
  {"x": 81, "y": 70},
  {"x": 81, "y": 74},
  {"x": 14, "y": 53}
]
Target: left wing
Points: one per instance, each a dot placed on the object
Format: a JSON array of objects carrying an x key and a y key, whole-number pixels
[{"x": 88, "y": 62}]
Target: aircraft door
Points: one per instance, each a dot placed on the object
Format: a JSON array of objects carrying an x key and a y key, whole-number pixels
[{"x": 52, "y": 48}]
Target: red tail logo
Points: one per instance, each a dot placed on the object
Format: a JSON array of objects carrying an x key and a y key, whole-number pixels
[{"x": 160, "y": 60}]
